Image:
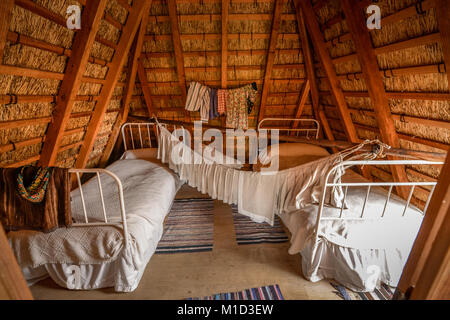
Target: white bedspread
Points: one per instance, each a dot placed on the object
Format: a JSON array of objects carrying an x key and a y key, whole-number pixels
[
  {"x": 149, "y": 190},
  {"x": 347, "y": 248},
  {"x": 259, "y": 196}
]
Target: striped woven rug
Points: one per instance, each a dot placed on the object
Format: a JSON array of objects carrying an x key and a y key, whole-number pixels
[
  {"x": 248, "y": 232},
  {"x": 189, "y": 227},
  {"x": 384, "y": 293},
  {"x": 272, "y": 292}
]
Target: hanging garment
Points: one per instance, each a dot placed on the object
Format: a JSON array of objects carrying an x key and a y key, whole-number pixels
[
  {"x": 213, "y": 113},
  {"x": 193, "y": 97},
  {"x": 24, "y": 207},
  {"x": 221, "y": 101},
  {"x": 205, "y": 103},
  {"x": 237, "y": 106}
]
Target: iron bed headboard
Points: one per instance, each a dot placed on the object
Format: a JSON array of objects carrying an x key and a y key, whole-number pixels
[{"x": 316, "y": 123}]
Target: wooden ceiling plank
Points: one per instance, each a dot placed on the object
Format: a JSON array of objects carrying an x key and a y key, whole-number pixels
[
  {"x": 76, "y": 67},
  {"x": 133, "y": 20},
  {"x": 367, "y": 58},
  {"x": 276, "y": 22},
  {"x": 178, "y": 50}
]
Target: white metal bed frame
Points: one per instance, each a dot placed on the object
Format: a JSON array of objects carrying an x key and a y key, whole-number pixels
[
  {"x": 139, "y": 126},
  {"x": 107, "y": 222},
  {"x": 369, "y": 185},
  {"x": 297, "y": 131}
]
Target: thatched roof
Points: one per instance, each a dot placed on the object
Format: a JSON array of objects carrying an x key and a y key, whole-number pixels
[{"x": 264, "y": 45}]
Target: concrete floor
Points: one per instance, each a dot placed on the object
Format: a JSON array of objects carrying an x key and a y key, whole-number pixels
[{"x": 227, "y": 268}]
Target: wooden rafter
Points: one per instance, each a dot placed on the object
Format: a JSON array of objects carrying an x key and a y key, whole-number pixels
[
  {"x": 324, "y": 56},
  {"x": 145, "y": 87},
  {"x": 126, "y": 39},
  {"x": 301, "y": 102},
  {"x": 6, "y": 8},
  {"x": 76, "y": 67},
  {"x": 310, "y": 74},
  {"x": 367, "y": 59},
  {"x": 443, "y": 17},
  {"x": 128, "y": 91},
  {"x": 178, "y": 50},
  {"x": 276, "y": 22}
]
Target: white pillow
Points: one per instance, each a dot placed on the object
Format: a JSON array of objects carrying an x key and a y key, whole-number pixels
[{"x": 149, "y": 154}]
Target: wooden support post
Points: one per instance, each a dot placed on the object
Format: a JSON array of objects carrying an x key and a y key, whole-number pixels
[
  {"x": 224, "y": 65},
  {"x": 270, "y": 56},
  {"x": 12, "y": 284},
  {"x": 126, "y": 39},
  {"x": 128, "y": 91},
  {"x": 356, "y": 23},
  {"x": 427, "y": 267},
  {"x": 178, "y": 50},
  {"x": 6, "y": 8},
  {"x": 76, "y": 67}
]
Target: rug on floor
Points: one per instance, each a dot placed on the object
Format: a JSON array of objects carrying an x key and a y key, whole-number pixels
[
  {"x": 189, "y": 227},
  {"x": 248, "y": 232},
  {"x": 271, "y": 292},
  {"x": 384, "y": 293}
]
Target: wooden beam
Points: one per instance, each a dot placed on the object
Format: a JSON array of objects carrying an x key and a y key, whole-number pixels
[
  {"x": 301, "y": 102},
  {"x": 178, "y": 50},
  {"x": 6, "y": 8},
  {"x": 374, "y": 81},
  {"x": 76, "y": 67},
  {"x": 133, "y": 20},
  {"x": 128, "y": 91},
  {"x": 431, "y": 245},
  {"x": 321, "y": 50},
  {"x": 276, "y": 22},
  {"x": 225, "y": 4},
  {"x": 443, "y": 18},
  {"x": 145, "y": 88},
  {"x": 12, "y": 284}
]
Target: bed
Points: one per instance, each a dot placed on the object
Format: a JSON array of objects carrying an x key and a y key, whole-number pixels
[
  {"x": 344, "y": 227},
  {"x": 116, "y": 229}
]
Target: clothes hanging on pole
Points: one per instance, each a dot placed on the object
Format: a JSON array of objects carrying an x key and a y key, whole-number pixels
[
  {"x": 213, "y": 113},
  {"x": 238, "y": 105},
  {"x": 193, "y": 97},
  {"x": 221, "y": 101},
  {"x": 205, "y": 103}
]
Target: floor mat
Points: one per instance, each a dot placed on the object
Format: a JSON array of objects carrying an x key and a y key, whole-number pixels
[
  {"x": 384, "y": 293},
  {"x": 248, "y": 232},
  {"x": 271, "y": 292},
  {"x": 189, "y": 227}
]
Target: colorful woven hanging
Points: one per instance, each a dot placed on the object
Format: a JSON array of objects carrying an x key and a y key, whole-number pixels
[{"x": 36, "y": 191}]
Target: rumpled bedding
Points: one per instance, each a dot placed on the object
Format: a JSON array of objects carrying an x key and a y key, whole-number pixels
[
  {"x": 347, "y": 249},
  {"x": 149, "y": 190}
]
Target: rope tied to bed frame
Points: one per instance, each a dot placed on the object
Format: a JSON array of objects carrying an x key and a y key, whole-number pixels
[{"x": 378, "y": 150}]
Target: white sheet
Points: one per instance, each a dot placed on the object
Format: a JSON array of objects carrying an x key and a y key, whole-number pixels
[
  {"x": 149, "y": 190},
  {"x": 259, "y": 196},
  {"x": 347, "y": 248}
]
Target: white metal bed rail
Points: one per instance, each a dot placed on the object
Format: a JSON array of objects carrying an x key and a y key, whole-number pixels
[
  {"x": 315, "y": 130},
  {"x": 143, "y": 130},
  {"x": 369, "y": 185},
  {"x": 106, "y": 222}
]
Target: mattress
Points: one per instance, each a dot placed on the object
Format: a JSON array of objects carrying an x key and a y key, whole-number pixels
[
  {"x": 360, "y": 254},
  {"x": 97, "y": 252}
]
